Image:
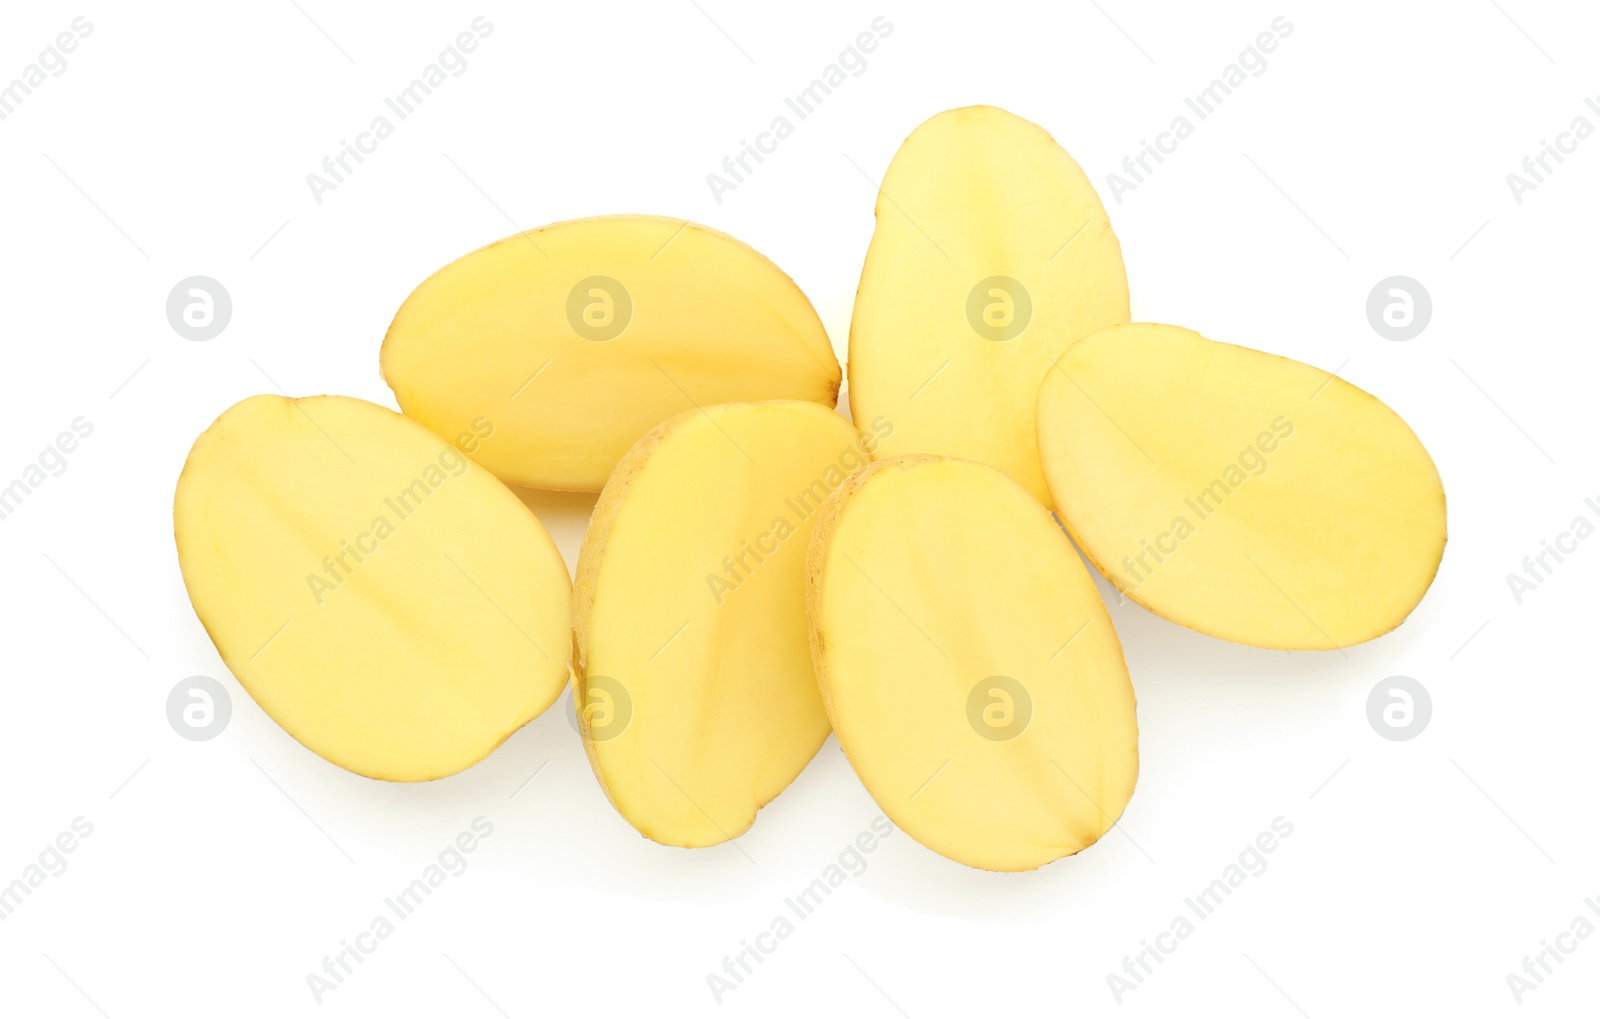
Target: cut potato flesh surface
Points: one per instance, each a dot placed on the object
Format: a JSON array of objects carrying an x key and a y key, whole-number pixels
[
  {"x": 992, "y": 254},
  {"x": 552, "y": 352},
  {"x": 387, "y": 601},
  {"x": 968, "y": 665},
  {"x": 1244, "y": 495},
  {"x": 695, "y": 687}
]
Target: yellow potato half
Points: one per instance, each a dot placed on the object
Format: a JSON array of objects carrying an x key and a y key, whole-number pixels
[
  {"x": 967, "y": 664},
  {"x": 695, "y": 688},
  {"x": 387, "y": 601},
  {"x": 1241, "y": 494},
  {"x": 992, "y": 254},
  {"x": 552, "y": 352}
]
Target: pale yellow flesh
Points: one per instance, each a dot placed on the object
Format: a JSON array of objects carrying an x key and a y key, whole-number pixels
[
  {"x": 411, "y": 662},
  {"x": 928, "y": 577},
  {"x": 1244, "y": 495},
  {"x": 976, "y": 193},
  {"x": 714, "y": 664},
  {"x": 486, "y": 347}
]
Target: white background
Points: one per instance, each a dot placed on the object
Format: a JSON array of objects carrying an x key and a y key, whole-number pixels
[{"x": 177, "y": 142}]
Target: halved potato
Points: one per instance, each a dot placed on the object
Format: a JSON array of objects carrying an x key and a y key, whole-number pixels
[
  {"x": 991, "y": 254},
  {"x": 551, "y": 352},
  {"x": 1244, "y": 495},
  {"x": 968, "y": 665},
  {"x": 386, "y": 600},
  {"x": 694, "y": 684}
]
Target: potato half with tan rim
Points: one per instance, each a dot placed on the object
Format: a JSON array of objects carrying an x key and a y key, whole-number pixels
[
  {"x": 554, "y": 351},
  {"x": 968, "y": 665},
  {"x": 382, "y": 597},
  {"x": 992, "y": 253},
  {"x": 1242, "y": 494},
  {"x": 695, "y": 689}
]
